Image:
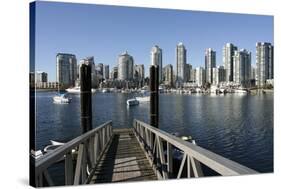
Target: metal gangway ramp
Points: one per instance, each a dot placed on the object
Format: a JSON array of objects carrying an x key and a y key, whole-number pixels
[{"x": 142, "y": 152}]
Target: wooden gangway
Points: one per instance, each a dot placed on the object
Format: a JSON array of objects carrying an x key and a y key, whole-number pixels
[
  {"x": 123, "y": 160},
  {"x": 142, "y": 152}
]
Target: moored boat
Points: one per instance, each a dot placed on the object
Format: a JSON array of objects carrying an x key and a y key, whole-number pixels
[
  {"x": 132, "y": 102},
  {"x": 61, "y": 99}
]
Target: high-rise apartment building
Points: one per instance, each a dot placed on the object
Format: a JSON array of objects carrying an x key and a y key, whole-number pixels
[
  {"x": 180, "y": 64},
  {"x": 66, "y": 68},
  {"x": 139, "y": 72},
  {"x": 125, "y": 67},
  {"x": 242, "y": 67},
  {"x": 227, "y": 59},
  {"x": 210, "y": 63},
  {"x": 168, "y": 75},
  {"x": 106, "y": 71},
  {"x": 156, "y": 59},
  {"x": 200, "y": 76},
  {"x": 264, "y": 62}
]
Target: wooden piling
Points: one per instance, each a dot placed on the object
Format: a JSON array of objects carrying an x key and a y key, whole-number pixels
[
  {"x": 154, "y": 96},
  {"x": 86, "y": 97}
]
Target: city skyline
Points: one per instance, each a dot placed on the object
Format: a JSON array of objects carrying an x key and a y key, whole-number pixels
[{"x": 138, "y": 34}]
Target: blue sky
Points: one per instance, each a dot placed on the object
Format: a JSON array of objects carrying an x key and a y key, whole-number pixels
[{"x": 106, "y": 31}]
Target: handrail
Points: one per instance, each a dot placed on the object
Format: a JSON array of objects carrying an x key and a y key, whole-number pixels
[
  {"x": 192, "y": 152},
  {"x": 96, "y": 139}
]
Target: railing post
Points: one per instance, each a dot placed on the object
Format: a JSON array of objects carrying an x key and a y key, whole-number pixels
[
  {"x": 169, "y": 159},
  {"x": 68, "y": 169}
]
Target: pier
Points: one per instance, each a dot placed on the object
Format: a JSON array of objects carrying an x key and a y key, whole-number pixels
[{"x": 140, "y": 152}]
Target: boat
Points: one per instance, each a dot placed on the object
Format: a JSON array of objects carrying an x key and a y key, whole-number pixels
[
  {"x": 76, "y": 90},
  {"x": 61, "y": 99},
  {"x": 214, "y": 89},
  {"x": 105, "y": 90},
  {"x": 143, "y": 99},
  {"x": 36, "y": 154},
  {"x": 240, "y": 91},
  {"x": 132, "y": 102}
]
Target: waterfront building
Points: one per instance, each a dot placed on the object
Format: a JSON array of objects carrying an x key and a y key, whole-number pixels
[
  {"x": 242, "y": 67},
  {"x": 156, "y": 59},
  {"x": 264, "y": 62},
  {"x": 139, "y": 72},
  {"x": 168, "y": 75},
  {"x": 210, "y": 63},
  {"x": 99, "y": 69},
  {"x": 227, "y": 59},
  {"x": 106, "y": 71},
  {"x": 188, "y": 68},
  {"x": 90, "y": 60},
  {"x": 180, "y": 64},
  {"x": 66, "y": 69},
  {"x": 41, "y": 77},
  {"x": 114, "y": 73},
  {"x": 200, "y": 76},
  {"x": 125, "y": 67},
  {"x": 253, "y": 72},
  {"x": 193, "y": 75},
  {"x": 218, "y": 75}
]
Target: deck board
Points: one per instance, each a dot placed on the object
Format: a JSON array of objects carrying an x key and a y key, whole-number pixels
[{"x": 123, "y": 160}]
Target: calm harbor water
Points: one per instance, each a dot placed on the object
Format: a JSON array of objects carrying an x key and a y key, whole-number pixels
[{"x": 238, "y": 127}]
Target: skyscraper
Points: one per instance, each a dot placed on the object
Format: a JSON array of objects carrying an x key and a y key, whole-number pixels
[
  {"x": 168, "y": 75},
  {"x": 125, "y": 66},
  {"x": 193, "y": 75},
  {"x": 114, "y": 73},
  {"x": 227, "y": 59},
  {"x": 180, "y": 63},
  {"x": 242, "y": 67},
  {"x": 139, "y": 72},
  {"x": 99, "y": 69},
  {"x": 210, "y": 63},
  {"x": 106, "y": 71},
  {"x": 90, "y": 61},
  {"x": 200, "y": 76},
  {"x": 218, "y": 75},
  {"x": 188, "y": 68},
  {"x": 66, "y": 67},
  {"x": 156, "y": 59},
  {"x": 264, "y": 62}
]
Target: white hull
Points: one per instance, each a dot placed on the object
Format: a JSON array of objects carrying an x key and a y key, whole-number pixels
[
  {"x": 240, "y": 91},
  {"x": 76, "y": 90},
  {"x": 61, "y": 100},
  {"x": 143, "y": 99}
]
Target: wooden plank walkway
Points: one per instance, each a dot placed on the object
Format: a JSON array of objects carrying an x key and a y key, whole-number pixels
[{"x": 123, "y": 160}]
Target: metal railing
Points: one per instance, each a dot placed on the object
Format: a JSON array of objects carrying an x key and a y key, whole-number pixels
[
  {"x": 159, "y": 147},
  {"x": 83, "y": 151}
]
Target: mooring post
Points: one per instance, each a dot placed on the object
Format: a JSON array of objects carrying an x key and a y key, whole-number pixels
[
  {"x": 86, "y": 97},
  {"x": 154, "y": 85}
]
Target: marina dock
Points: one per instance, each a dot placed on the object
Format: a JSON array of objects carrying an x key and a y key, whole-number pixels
[{"x": 142, "y": 152}]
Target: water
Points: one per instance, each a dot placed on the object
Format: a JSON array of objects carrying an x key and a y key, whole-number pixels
[{"x": 238, "y": 127}]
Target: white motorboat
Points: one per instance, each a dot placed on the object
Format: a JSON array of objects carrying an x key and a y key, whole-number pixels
[
  {"x": 240, "y": 91},
  {"x": 36, "y": 154},
  {"x": 61, "y": 99},
  {"x": 143, "y": 99},
  {"x": 76, "y": 90},
  {"x": 132, "y": 102}
]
